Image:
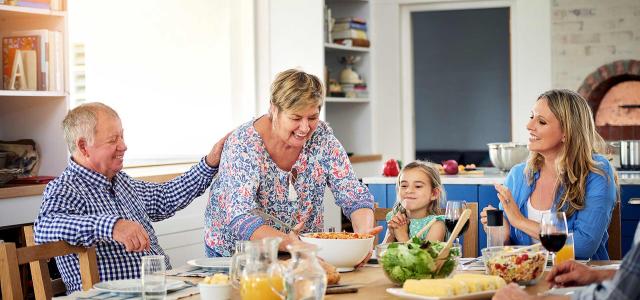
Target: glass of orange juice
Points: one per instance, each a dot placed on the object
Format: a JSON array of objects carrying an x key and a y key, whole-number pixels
[{"x": 567, "y": 252}]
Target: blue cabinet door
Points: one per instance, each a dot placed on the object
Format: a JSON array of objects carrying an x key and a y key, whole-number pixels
[
  {"x": 486, "y": 195},
  {"x": 466, "y": 192},
  {"x": 379, "y": 192},
  {"x": 630, "y": 214}
]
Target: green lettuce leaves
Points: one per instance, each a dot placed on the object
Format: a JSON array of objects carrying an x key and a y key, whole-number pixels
[{"x": 415, "y": 260}]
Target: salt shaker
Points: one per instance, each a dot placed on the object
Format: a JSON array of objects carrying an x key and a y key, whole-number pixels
[{"x": 495, "y": 230}]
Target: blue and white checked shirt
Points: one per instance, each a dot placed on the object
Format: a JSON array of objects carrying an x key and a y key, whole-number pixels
[
  {"x": 81, "y": 207},
  {"x": 624, "y": 286}
]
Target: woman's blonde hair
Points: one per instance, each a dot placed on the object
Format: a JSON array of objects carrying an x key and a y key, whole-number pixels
[
  {"x": 294, "y": 90},
  {"x": 580, "y": 142},
  {"x": 432, "y": 172}
]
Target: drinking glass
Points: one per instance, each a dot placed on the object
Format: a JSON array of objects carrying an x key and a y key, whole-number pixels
[
  {"x": 153, "y": 277},
  {"x": 553, "y": 231},
  {"x": 567, "y": 252},
  {"x": 452, "y": 213},
  {"x": 238, "y": 262}
]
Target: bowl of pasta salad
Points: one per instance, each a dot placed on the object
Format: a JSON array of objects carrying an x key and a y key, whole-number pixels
[
  {"x": 341, "y": 249},
  {"x": 519, "y": 264}
]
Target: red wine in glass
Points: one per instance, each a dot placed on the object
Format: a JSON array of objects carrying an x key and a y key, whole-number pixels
[
  {"x": 553, "y": 241},
  {"x": 451, "y": 224}
]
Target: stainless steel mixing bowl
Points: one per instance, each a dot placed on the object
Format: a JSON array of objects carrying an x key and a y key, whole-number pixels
[{"x": 506, "y": 155}]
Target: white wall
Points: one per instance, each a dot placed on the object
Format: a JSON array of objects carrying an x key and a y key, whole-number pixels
[
  {"x": 167, "y": 66},
  {"x": 531, "y": 67},
  {"x": 289, "y": 35}
]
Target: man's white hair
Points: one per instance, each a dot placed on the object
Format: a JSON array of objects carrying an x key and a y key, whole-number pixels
[{"x": 81, "y": 122}]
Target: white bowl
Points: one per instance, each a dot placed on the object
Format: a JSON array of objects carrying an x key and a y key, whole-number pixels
[
  {"x": 215, "y": 291},
  {"x": 344, "y": 254}
]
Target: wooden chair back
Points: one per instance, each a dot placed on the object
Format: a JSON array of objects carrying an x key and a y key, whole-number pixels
[
  {"x": 614, "y": 246},
  {"x": 37, "y": 255},
  {"x": 380, "y": 213}
]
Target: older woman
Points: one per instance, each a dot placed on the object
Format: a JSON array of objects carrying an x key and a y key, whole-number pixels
[
  {"x": 564, "y": 172},
  {"x": 280, "y": 164}
]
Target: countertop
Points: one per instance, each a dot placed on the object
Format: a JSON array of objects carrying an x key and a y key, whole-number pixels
[{"x": 491, "y": 176}]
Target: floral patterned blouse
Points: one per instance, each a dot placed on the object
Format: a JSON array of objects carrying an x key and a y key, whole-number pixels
[{"x": 249, "y": 179}]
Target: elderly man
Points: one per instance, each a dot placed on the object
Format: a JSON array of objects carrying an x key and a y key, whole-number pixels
[{"x": 94, "y": 203}]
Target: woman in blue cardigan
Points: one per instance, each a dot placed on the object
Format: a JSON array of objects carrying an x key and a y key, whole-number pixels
[{"x": 564, "y": 172}]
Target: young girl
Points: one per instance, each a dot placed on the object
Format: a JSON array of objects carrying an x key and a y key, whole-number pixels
[{"x": 420, "y": 193}]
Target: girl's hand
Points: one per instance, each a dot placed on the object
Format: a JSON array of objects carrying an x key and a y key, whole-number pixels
[
  {"x": 399, "y": 227},
  {"x": 509, "y": 205},
  {"x": 398, "y": 221}
]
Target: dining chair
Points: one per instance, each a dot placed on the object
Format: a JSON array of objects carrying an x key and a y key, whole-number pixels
[
  {"x": 37, "y": 255},
  {"x": 614, "y": 246}
]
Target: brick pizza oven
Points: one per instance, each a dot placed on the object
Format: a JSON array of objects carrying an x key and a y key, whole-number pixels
[{"x": 613, "y": 92}]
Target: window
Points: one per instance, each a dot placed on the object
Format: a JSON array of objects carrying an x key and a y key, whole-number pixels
[{"x": 165, "y": 66}]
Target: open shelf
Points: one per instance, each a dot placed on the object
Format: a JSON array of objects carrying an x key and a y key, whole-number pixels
[
  {"x": 346, "y": 100},
  {"x": 331, "y": 46},
  {"x": 11, "y": 10},
  {"x": 15, "y": 93},
  {"x": 22, "y": 190}
]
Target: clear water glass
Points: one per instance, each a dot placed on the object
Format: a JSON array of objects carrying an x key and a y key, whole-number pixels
[{"x": 154, "y": 282}]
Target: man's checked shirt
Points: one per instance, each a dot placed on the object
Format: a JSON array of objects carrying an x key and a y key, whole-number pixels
[{"x": 82, "y": 206}]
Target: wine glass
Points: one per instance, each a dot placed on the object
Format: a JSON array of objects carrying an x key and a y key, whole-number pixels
[
  {"x": 452, "y": 213},
  {"x": 553, "y": 231}
]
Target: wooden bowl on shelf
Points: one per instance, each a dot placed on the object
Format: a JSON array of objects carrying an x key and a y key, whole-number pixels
[{"x": 7, "y": 175}]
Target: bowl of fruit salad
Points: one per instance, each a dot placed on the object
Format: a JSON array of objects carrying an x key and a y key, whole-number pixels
[{"x": 523, "y": 265}]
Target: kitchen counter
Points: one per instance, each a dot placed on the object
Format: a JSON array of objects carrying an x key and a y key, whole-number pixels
[{"x": 491, "y": 176}]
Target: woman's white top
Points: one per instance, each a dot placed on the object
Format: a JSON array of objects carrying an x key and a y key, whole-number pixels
[{"x": 534, "y": 214}]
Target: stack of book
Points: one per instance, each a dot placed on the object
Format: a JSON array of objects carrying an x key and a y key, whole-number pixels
[
  {"x": 43, "y": 4},
  {"x": 351, "y": 31},
  {"x": 33, "y": 60}
]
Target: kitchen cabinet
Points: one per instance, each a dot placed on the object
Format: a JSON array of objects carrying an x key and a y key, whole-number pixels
[{"x": 630, "y": 210}]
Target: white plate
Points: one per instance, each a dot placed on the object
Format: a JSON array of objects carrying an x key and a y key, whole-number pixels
[
  {"x": 211, "y": 263},
  {"x": 402, "y": 294},
  {"x": 563, "y": 291},
  {"x": 132, "y": 286}
]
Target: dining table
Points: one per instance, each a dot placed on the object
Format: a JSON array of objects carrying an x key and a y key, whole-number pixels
[{"x": 373, "y": 284}]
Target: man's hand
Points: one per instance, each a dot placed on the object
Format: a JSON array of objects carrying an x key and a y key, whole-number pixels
[
  {"x": 572, "y": 273},
  {"x": 213, "y": 158},
  {"x": 132, "y": 235}
]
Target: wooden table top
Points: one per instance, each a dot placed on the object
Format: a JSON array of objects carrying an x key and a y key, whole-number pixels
[{"x": 375, "y": 283}]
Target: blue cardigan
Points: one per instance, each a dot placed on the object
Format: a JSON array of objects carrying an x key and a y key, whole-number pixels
[{"x": 589, "y": 225}]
